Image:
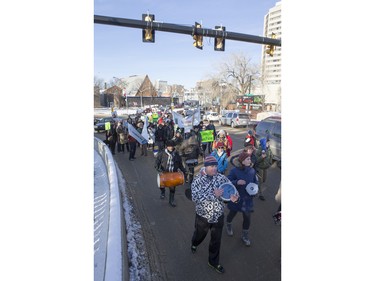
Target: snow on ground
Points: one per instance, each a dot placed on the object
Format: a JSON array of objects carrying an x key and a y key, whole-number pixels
[{"x": 138, "y": 265}]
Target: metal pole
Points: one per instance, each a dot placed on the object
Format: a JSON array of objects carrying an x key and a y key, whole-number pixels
[{"x": 189, "y": 30}]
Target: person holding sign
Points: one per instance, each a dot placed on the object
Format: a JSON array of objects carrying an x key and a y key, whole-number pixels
[
  {"x": 207, "y": 138},
  {"x": 242, "y": 175}
]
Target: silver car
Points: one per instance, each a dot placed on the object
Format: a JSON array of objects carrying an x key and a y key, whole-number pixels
[{"x": 235, "y": 119}]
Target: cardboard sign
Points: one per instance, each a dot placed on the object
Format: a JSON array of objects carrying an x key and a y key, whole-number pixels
[{"x": 207, "y": 136}]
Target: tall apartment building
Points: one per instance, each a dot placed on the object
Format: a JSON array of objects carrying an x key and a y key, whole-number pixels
[{"x": 271, "y": 66}]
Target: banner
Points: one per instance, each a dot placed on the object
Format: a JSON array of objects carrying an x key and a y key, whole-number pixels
[
  {"x": 207, "y": 135},
  {"x": 197, "y": 116},
  {"x": 178, "y": 119},
  {"x": 135, "y": 134},
  {"x": 188, "y": 124}
]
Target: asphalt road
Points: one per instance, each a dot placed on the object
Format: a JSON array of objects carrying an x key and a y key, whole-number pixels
[{"x": 168, "y": 231}]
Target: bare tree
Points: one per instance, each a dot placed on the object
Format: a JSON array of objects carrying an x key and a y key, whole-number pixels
[
  {"x": 98, "y": 82},
  {"x": 239, "y": 73}
]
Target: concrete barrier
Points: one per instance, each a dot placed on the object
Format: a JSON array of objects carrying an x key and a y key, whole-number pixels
[{"x": 116, "y": 262}]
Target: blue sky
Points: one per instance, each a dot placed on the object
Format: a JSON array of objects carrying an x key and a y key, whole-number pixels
[{"x": 120, "y": 52}]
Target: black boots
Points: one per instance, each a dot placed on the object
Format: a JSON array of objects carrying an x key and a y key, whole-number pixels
[
  {"x": 171, "y": 199},
  {"x": 162, "y": 193}
]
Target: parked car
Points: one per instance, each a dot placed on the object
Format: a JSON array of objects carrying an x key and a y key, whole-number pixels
[
  {"x": 100, "y": 124},
  {"x": 270, "y": 127},
  {"x": 212, "y": 116},
  {"x": 235, "y": 119}
]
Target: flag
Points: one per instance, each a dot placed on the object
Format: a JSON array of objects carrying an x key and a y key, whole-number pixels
[
  {"x": 178, "y": 119},
  {"x": 188, "y": 123},
  {"x": 197, "y": 116},
  {"x": 135, "y": 134},
  {"x": 144, "y": 130}
]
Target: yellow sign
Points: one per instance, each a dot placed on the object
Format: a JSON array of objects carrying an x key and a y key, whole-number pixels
[{"x": 107, "y": 126}]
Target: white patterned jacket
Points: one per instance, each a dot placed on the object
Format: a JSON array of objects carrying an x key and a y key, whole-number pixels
[{"x": 207, "y": 205}]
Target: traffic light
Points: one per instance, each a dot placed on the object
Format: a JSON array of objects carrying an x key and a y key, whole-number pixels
[
  {"x": 270, "y": 49},
  {"x": 148, "y": 34},
  {"x": 198, "y": 39},
  {"x": 220, "y": 41}
]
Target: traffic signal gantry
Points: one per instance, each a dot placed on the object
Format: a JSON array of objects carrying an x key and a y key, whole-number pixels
[{"x": 149, "y": 25}]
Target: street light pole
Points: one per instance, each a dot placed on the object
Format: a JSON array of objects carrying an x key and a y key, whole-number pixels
[{"x": 248, "y": 104}]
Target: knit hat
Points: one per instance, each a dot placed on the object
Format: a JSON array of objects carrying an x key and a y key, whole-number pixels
[
  {"x": 243, "y": 156},
  {"x": 170, "y": 143},
  {"x": 220, "y": 144},
  {"x": 210, "y": 161}
]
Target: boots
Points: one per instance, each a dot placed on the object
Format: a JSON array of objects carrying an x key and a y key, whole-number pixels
[
  {"x": 245, "y": 237},
  {"x": 229, "y": 229},
  {"x": 162, "y": 193},
  {"x": 171, "y": 199}
]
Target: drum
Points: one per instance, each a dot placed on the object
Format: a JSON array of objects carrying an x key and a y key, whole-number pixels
[
  {"x": 229, "y": 189},
  {"x": 170, "y": 179},
  {"x": 252, "y": 189}
]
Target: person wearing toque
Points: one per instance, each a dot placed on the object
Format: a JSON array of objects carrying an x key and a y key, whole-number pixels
[
  {"x": 241, "y": 175},
  {"x": 168, "y": 160},
  {"x": 209, "y": 210}
]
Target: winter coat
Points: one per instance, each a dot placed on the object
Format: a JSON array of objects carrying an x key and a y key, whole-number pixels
[
  {"x": 120, "y": 134},
  {"x": 207, "y": 205},
  {"x": 160, "y": 134},
  {"x": 161, "y": 162},
  {"x": 248, "y": 174},
  {"x": 222, "y": 161},
  {"x": 190, "y": 148},
  {"x": 263, "y": 163}
]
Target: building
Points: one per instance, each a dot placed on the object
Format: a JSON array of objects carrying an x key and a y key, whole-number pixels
[{"x": 271, "y": 66}]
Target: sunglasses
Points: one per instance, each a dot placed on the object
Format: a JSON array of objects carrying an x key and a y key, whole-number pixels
[{"x": 220, "y": 147}]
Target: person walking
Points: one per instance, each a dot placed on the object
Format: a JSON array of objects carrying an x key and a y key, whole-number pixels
[
  {"x": 230, "y": 143},
  {"x": 120, "y": 138},
  {"x": 250, "y": 138},
  {"x": 220, "y": 138},
  {"x": 143, "y": 147},
  {"x": 160, "y": 136},
  {"x": 111, "y": 137},
  {"x": 132, "y": 147},
  {"x": 241, "y": 175},
  {"x": 211, "y": 126},
  {"x": 209, "y": 210},
  {"x": 264, "y": 161},
  {"x": 221, "y": 157},
  {"x": 169, "y": 160}
]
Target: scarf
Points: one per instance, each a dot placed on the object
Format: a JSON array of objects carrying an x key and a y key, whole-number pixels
[{"x": 170, "y": 166}]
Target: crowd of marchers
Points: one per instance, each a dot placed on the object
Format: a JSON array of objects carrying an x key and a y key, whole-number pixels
[{"x": 179, "y": 150}]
